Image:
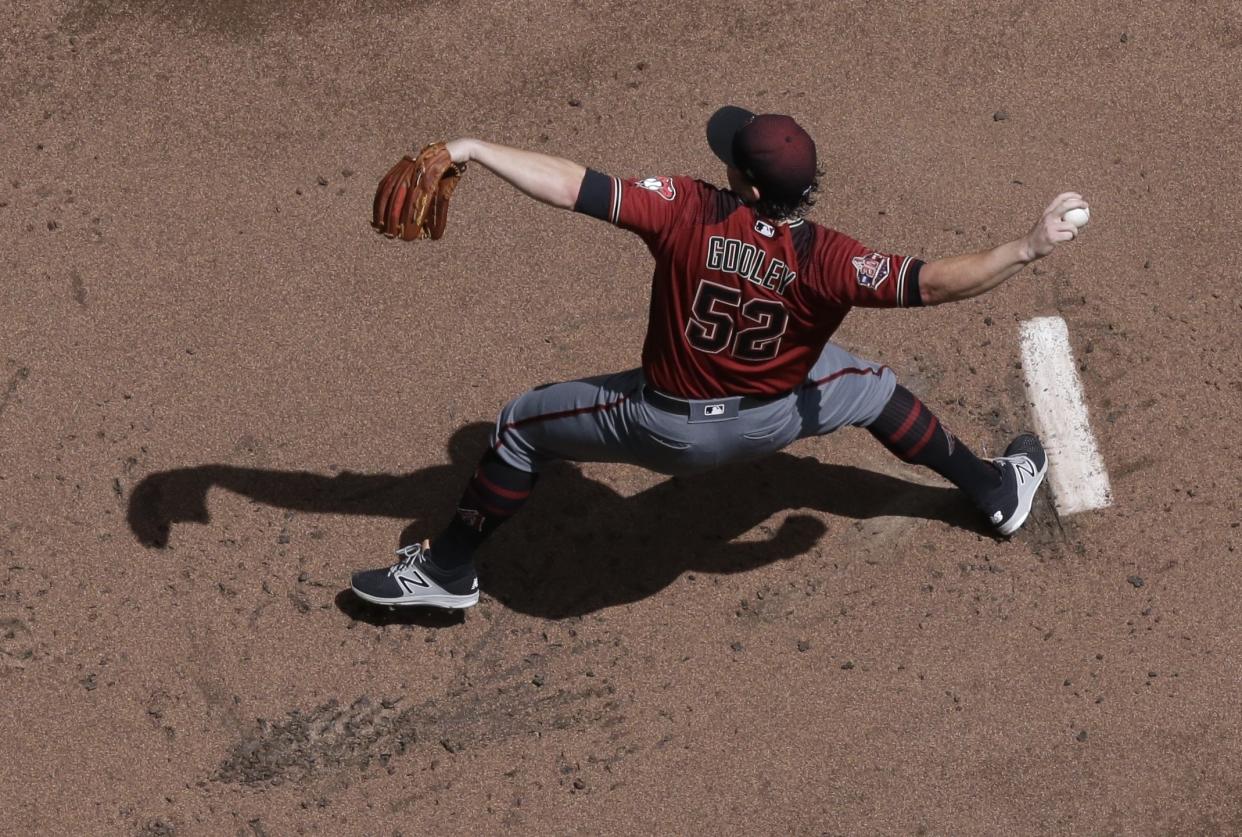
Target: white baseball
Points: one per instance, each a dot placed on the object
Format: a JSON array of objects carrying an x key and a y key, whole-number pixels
[{"x": 1078, "y": 217}]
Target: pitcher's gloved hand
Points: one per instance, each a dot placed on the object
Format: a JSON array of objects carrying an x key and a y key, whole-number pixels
[{"x": 413, "y": 198}]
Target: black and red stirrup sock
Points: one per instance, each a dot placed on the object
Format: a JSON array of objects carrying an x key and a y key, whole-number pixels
[
  {"x": 495, "y": 493},
  {"x": 912, "y": 432}
]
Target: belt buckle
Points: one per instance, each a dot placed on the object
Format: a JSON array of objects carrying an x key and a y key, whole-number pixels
[{"x": 714, "y": 410}]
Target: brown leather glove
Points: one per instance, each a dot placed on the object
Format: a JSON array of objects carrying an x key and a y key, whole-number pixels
[{"x": 413, "y": 198}]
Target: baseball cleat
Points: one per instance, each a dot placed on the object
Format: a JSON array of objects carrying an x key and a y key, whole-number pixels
[
  {"x": 414, "y": 581},
  {"x": 1022, "y": 470}
]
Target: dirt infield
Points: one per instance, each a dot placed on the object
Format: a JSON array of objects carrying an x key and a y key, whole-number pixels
[{"x": 220, "y": 393}]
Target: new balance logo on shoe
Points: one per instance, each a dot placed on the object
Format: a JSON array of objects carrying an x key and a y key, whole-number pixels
[
  {"x": 997, "y": 517},
  {"x": 1025, "y": 468},
  {"x": 475, "y": 584},
  {"x": 411, "y": 581}
]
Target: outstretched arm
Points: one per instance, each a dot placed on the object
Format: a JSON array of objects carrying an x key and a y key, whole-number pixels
[
  {"x": 961, "y": 277},
  {"x": 552, "y": 180}
]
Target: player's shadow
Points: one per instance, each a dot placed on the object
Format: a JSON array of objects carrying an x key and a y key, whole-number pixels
[{"x": 578, "y": 546}]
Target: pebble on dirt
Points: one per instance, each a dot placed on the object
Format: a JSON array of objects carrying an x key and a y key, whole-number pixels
[{"x": 1136, "y": 580}]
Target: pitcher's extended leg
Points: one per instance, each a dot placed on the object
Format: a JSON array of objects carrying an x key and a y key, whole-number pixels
[
  {"x": 912, "y": 432},
  {"x": 584, "y": 420},
  {"x": 1002, "y": 489}
]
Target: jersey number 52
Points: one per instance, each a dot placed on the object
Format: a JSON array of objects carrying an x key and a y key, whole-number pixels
[{"x": 713, "y": 325}]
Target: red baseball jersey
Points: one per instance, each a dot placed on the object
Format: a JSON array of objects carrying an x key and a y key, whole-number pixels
[{"x": 740, "y": 305}]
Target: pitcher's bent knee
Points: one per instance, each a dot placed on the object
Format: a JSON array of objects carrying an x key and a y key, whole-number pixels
[
  {"x": 507, "y": 439},
  {"x": 875, "y": 397}
]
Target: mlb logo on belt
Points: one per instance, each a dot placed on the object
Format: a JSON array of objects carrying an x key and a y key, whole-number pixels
[
  {"x": 709, "y": 411},
  {"x": 871, "y": 269}
]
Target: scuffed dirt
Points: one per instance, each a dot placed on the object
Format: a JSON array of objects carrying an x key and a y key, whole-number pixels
[{"x": 333, "y": 738}]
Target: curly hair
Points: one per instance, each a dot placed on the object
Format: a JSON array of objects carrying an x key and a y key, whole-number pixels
[{"x": 790, "y": 210}]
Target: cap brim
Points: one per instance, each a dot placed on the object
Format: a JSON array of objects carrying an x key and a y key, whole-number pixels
[{"x": 721, "y": 128}]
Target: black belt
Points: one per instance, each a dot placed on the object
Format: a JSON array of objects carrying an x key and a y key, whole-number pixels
[{"x": 682, "y": 406}]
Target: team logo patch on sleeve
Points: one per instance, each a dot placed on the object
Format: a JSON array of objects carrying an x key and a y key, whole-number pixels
[
  {"x": 662, "y": 186},
  {"x": 871, "y": 269}
]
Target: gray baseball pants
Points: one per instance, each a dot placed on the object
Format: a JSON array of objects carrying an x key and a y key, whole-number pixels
[{"x": 618, "y": 418}]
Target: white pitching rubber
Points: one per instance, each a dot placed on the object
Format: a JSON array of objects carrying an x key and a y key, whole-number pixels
[{"x": 1076, "y": 471}]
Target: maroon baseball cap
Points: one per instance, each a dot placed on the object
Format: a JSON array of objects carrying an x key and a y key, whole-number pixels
[{"x": 772, "y": 150}]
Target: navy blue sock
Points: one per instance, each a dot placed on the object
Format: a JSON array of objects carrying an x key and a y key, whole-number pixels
[
  {"x": 912, "y": 432},
  {"x": 494, "y": 494}
]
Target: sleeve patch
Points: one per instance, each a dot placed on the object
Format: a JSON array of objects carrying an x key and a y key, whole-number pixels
[
  {"x": 662, "y": 186},
  {"x": 871, "y": 270}
]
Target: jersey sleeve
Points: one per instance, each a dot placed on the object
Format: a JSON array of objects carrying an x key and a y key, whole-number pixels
[
  {"x": 855, "y": 275},
  {"x": 647, "y": 206}
]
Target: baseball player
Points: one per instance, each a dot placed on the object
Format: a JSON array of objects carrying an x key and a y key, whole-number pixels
[{"x": 737, "y": 361}]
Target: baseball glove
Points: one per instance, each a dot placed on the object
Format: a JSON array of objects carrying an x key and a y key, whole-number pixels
[{"x": 412, "y": 200}]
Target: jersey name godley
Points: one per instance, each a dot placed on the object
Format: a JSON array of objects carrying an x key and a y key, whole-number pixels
[{"x": 729, "y": 255}]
